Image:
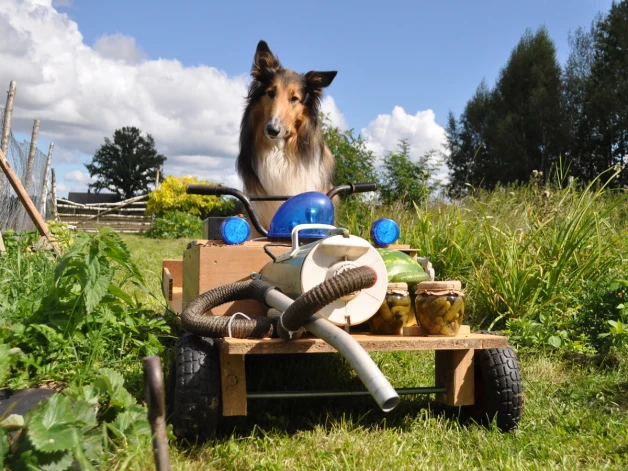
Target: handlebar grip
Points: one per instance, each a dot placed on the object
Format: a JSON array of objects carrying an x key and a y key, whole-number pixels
[
  {"x": 364, "y": 187},
  {"x": 204, "y": 190}
]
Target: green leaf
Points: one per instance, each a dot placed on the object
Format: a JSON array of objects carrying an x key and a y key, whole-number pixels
[
  {"x": 12, "y": 423},
  {"x": 59, "y": 461},
  {"x": 85, "y": 414},
  {"x": 112, "y": 383},
  {"x": 4, "y": 446},
  {"x": 118, "y": 293},
  {"x": 95, "y": 291},
  {"x": 50, "y": 424},
  {"x": 554, "y": 341},
  {"x": 50, "y": 437}
]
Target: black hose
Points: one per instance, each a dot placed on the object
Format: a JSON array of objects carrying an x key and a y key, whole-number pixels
[
  {"x": 308, "y": 304},
  {"x": 194, "y": 320}
]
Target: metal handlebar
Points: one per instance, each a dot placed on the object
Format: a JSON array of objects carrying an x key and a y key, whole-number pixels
[{"x": 216, "y": 190}]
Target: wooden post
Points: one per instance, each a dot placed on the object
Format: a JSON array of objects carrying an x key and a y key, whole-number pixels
[
  {"x": 44, "y": 189},
  {"x": 53, "y": 181},
  {"x": 8, "y": 113},
  {"x": 31, "y": 155},
  {"x": 6, "y": 126},
  {"x": 454, "y": 371},
  {"x": 27, "y": 202},
  {"x": 4, "y": 144}
]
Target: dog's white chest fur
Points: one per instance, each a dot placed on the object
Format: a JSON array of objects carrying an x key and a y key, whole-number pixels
[{"x": 281, "y": 176}]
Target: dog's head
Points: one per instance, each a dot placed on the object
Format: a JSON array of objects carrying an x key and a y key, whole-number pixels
[{"x": 284, "y": 99}]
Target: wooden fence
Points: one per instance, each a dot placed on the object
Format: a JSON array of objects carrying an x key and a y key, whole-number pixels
[{"x": 124, "y": 216}]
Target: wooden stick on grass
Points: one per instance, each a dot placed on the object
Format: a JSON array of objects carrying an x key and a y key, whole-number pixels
[{"x": 42, "y": 227}]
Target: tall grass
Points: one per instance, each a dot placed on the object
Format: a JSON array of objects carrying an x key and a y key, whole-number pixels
[{"x": 526, "y": 254}]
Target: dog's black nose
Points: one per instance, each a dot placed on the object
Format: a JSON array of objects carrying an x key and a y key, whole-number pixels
[{"x": 272, "y": 131}]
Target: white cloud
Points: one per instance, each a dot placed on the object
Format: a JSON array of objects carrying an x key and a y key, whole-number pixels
[
  {"x": 61, "y": 3},
  {"x": 81, "y": 96},
  {"x": 329, "y": 107},
  {"x": 421, "y": 130},
  {"x": 119, "y": 47},
  {"x": 78, "y": 176}
]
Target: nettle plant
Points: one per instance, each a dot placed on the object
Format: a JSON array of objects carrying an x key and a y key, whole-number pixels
[{"x": 61, "y": 319}]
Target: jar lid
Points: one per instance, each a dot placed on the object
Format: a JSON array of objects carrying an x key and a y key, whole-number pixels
[
  {"x": 439, "y": 287},
  {"x": 398, "y": 288}
]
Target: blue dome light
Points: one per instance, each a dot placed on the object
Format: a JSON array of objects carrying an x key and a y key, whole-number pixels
[
  {"x": 384, "y": 232},
  {"x": 311, "y": 207},
  {"x": 235, "y": 230}
]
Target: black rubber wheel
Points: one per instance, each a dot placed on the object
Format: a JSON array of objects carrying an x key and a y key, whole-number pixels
[
  {"x": 498, "y": 388},
  {"x": 195, "y": 406}
]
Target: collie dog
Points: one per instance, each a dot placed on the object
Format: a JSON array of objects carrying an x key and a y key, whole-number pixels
[{"x": 282, "y": 149}]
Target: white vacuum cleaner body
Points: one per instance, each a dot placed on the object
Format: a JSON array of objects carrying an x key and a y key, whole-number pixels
[{"x": 305, "y": 267}]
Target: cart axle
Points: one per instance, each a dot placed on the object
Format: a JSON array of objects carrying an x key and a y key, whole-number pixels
[{"x": 308, "y": 394}]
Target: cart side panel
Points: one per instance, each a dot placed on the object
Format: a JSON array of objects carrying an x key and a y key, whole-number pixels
[{"x": 209, "y": 264}]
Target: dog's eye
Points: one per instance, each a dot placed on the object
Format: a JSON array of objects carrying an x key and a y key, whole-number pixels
[
  {"x": 294, "y": 99},
  {"x": 270, "y": 93}
]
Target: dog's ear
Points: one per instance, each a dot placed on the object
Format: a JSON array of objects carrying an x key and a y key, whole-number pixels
[
  {"x": 319, "y": 80},
  {"x": 265, "y": 63}
]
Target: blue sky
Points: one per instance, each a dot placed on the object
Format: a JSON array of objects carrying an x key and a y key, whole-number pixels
[{"x": 418, "y": 56}]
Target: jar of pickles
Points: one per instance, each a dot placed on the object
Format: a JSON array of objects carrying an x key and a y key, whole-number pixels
[
  {"x": 439, "y": 307},
  {"x": 395, "y": 313}
]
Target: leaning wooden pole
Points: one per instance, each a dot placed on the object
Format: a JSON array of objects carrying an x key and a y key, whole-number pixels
[
  {"x": 22, "y": 194},
  {"x": 44, "y": 189},
  {"x": 31, "y": 155}
]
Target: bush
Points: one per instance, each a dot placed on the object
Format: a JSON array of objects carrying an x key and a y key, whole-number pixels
[
  {"x": 60, "y": 318},
  {"x": 171, "y": 196},
  {"x": 176, "y": 224}
]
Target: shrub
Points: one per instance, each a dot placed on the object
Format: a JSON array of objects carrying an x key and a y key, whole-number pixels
[
  {"x": 171, "y": 196},
  {"x": 61, "y": 317},
  {"x": 176, "y": 224}
]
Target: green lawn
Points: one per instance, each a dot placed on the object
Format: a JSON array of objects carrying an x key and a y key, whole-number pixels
[{"x": 575, "y": 417}]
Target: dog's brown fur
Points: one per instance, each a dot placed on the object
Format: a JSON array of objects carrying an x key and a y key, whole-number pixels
[{"x": 297, "y": 158}]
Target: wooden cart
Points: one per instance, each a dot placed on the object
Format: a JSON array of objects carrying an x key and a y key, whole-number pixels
[{"x": 467, "y": 367}]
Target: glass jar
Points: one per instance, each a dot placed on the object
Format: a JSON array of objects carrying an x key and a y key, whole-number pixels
[
  {"x": 395, "y": 313},
  {"x": 439, "y": 307}
]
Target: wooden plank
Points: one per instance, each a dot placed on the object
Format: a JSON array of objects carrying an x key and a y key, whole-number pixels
[
  {"x": 371, "y": 343},
  {"x": 454, "y": 372},
  {"x": 177, "y": 300},
  {"x": 233, "y": 384},
  {"x": 42, "y": 227},
  {"x": 120, "y": 205},
  {"x": 191, "y": 273},
  {"x": 175, "y": 267},
  {"x": 209, "y": 264},
  {"x": 167, "y": 283}
]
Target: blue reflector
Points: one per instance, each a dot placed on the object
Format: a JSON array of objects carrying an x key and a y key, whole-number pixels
[
  {"x": 384, "y": 232},
  {"x": 235, "y": 230}
]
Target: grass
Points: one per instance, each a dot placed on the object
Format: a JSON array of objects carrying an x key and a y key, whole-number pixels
[
  {"x": 576, "y": 417},
  {"x": 149, "y": 254}
]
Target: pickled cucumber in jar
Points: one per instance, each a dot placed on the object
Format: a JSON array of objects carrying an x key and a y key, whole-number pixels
[
  {"x": 439, "y": 307},
  {"x": 395, "y": 313}
]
